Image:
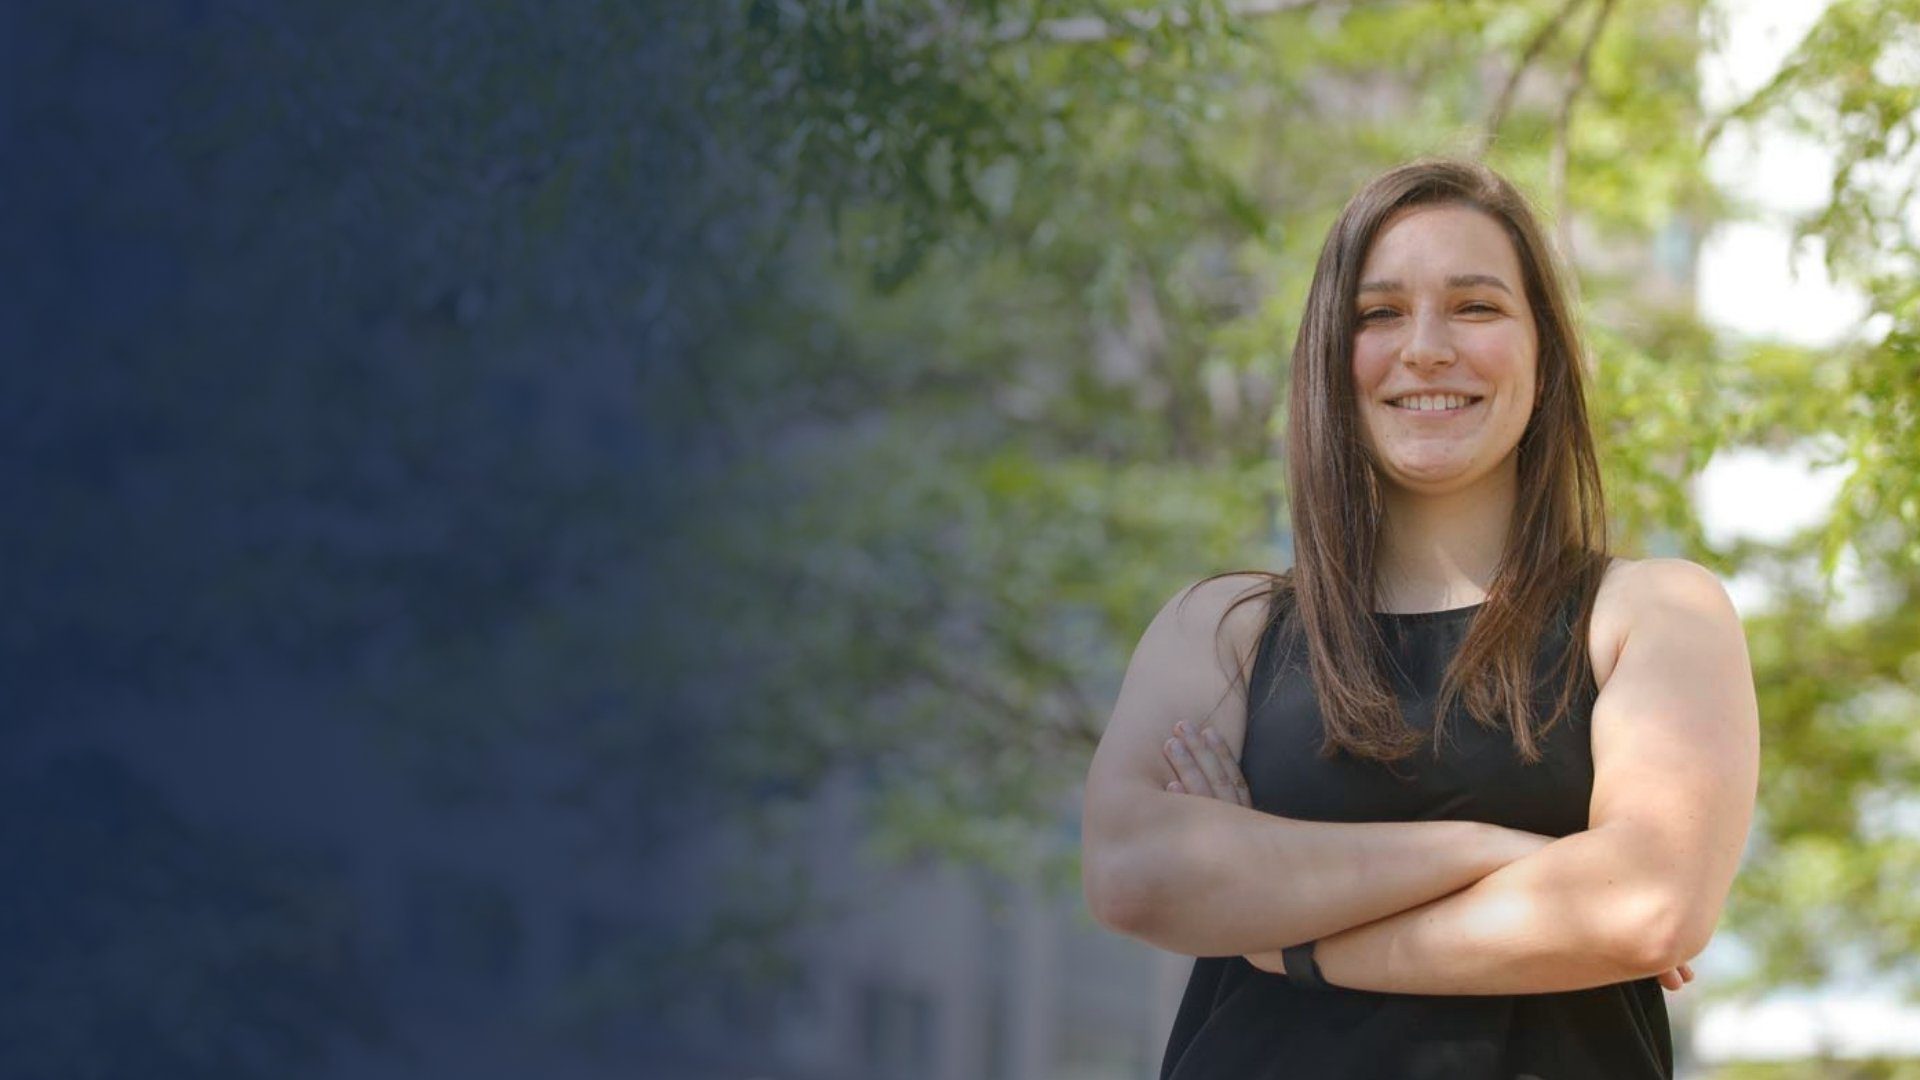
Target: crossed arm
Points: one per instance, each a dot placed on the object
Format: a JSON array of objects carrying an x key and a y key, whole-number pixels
[
  {"x": 1529, "y": 926},
  {"x": 1638, "y": 893}
]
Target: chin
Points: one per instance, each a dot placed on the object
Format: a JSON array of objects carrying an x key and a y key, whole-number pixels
[
  {"x": 1438, "y": 480},
  {"x": 1430, "y": 469}
]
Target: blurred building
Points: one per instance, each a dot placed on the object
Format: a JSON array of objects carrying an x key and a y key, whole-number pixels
[{"x": 945, "y": 973}]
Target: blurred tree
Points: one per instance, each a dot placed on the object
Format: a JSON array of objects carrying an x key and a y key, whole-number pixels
[
  {"x": 1038, "y": 392},
  {"x": 1830, "y": 887}
]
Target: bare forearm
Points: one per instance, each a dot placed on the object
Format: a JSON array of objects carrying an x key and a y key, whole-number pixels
[
  {"x": 1564, "y": 918},
  {"x": 1209, "y": 878}
]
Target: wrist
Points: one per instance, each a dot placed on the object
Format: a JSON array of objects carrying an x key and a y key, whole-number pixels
[{"x": 1302, "y": 969}]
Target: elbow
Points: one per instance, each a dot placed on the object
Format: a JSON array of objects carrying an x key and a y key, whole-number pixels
[
  {"x": 1116, "y": 896},
  {"x": 1692, "y": 935},
  {"x": 1121, "y": 862},
  {"x": 1670, "y": 933}
]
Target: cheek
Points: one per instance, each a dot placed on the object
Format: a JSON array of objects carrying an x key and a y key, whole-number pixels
[
  {"x": 1507, "y": 359},
  {"x": 1370, "y": 364}
]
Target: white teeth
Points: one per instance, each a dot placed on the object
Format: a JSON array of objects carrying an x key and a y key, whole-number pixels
[{"x": 1430, "y": 402}]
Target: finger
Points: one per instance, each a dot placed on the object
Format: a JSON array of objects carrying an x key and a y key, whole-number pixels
[
  {"x": 1235, "y": 778},
  {"x": 1174, "y": 786},
  {"x": 1671, "y": 979},
  {"x": 1207, "y": 760},
  {"x": 1185, "y": 769},
  {"x": 1686, "y": 972}
]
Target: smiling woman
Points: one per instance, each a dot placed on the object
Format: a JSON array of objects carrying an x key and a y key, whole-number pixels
[{"x": 1458, "y": 793}]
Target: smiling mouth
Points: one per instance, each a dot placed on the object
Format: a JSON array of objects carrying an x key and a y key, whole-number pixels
[{"x": 1449, "y": 405}]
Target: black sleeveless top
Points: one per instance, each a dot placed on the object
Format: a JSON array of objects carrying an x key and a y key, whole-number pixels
[{"x": 1237, "y": 1022}]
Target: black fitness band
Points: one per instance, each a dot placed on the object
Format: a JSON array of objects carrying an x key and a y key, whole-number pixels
[{"x": 1302, "y": 971}]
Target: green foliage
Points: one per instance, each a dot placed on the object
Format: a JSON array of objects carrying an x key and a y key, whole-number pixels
[
  {"x": 1062, "y": 400},
  {"x": 1853, "y": 85}
]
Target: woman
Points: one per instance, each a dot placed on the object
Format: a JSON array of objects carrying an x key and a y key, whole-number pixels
[{"x": 1455, "y": 795}]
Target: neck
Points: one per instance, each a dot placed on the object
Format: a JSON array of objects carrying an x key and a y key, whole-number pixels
[{"x": 1441, "y": 551}]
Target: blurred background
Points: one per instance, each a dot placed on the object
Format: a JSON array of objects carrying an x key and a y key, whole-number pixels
[{"x": 598, "y": 539}]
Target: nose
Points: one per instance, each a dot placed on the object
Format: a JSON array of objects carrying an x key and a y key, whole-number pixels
[{"x": 1429, "y": 343}]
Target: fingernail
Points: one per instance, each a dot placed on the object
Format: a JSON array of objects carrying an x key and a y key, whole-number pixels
[{"x": 1180, "y": 728}]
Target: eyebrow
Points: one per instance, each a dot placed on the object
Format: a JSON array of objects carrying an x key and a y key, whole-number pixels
[{"x": 1457, "y": 281}]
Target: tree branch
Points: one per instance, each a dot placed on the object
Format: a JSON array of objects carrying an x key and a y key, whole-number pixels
[
  {"x": 1557, "y": 166},
  {"x": 1498, "y": 115}
]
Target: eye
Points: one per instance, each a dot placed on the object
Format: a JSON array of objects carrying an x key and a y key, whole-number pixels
[
  {"x": 1377, "y": 314},
  {"x": 1480, "y": 307}
]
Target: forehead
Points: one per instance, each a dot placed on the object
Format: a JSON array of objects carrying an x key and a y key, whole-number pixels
[{"x": 1431, "y": 243}]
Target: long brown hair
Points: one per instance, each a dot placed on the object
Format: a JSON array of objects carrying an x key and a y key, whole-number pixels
[{"x": 1556, "y": 545}]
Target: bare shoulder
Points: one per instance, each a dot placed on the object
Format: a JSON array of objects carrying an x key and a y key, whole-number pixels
[
  {"x": 1225, "y": 603},
  {"x": 1209, "y": 631},
  {"x": 1636, "y": 590}
]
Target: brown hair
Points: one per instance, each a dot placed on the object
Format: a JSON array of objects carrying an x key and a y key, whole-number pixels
[{"x": 1557, "y": 543}]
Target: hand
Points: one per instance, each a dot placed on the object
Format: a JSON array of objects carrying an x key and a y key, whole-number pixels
[
  {"x": 1675, "y": 978},
  {"x": 1203, "y": 766},
  {"x": 1273, "y": 963}
]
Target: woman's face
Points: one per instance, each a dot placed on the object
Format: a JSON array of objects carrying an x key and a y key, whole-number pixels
[{"x": 1444, "y": 348}]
